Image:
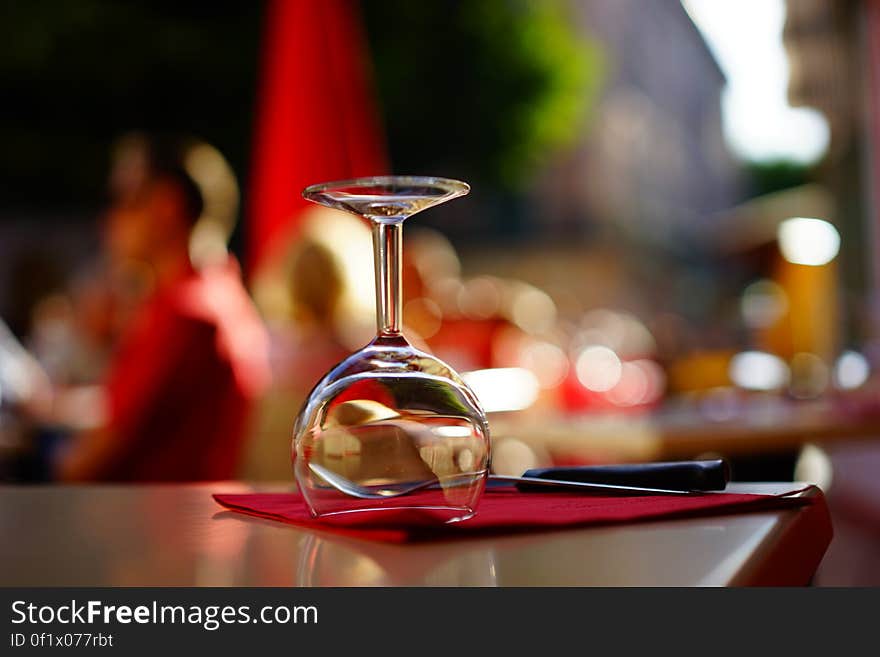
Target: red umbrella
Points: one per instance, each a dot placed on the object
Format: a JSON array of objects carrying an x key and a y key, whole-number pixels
[{"x": 315, "y": 119}]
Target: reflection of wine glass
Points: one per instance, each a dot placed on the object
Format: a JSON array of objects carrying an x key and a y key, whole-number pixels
[
  {"x": 339, "y": 562},
  {"x": 390, "y": 416}
]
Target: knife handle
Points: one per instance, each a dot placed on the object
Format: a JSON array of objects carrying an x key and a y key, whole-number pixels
[{"x": 674, "y": 475}]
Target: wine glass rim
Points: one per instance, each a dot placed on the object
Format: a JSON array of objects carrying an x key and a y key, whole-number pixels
[{"x": 460, "y": 188}]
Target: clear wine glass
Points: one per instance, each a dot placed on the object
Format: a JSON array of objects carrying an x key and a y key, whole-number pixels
[{"x": 391, "y": 417}]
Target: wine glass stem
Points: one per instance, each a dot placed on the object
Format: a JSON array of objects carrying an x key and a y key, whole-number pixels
[{"x": 387, "y": 245}]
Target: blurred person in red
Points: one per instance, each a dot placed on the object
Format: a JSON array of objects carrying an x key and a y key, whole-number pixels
[{"x": 192, "y": 357}]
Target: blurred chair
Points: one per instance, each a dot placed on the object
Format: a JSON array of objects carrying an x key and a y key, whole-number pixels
[{"x": 318, "y": 303}]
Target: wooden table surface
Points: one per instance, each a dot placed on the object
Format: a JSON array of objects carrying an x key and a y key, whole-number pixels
[{"x": 176, "y": 535}]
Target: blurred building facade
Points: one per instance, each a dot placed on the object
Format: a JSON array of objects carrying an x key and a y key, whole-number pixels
[
  {"x": 652, "y": 158},
  {"x": 829, "y": 51},
  {"x": 833, "y": 48}
]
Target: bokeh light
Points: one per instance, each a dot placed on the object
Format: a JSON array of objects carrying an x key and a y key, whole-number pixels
[
  {"x": 805, "y": 241},
  {"x": 531, "y": 309},
  {"x": 810, "y": 376},
  {"x": 546, "y": 361},
  {"x": 757, "y": 370},
  {"x": 512, "y": 457},
  {"x": 598, "y": 368},
  {"x": 503, "y": 388},
  {"x": 851, "y": 370},
  {"x": 763, "y": 303}
]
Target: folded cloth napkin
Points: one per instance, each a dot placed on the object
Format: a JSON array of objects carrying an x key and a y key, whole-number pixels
[{"x": 507, "y": 511}]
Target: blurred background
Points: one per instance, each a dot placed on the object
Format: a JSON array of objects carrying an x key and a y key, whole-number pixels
[{"x": 669, "y": 252}]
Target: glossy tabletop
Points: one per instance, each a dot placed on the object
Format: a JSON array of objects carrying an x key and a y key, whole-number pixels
[{"x": 176, "y": 535}]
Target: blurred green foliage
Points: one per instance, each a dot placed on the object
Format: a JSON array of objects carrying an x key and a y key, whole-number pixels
[
  {"x": 77, "y": 74},
  {"x": 770, "y": 176},
  {"x": 480, "y": 89}
]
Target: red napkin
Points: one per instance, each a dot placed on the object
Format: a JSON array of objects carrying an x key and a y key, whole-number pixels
[{"x": 505, "y": 511}]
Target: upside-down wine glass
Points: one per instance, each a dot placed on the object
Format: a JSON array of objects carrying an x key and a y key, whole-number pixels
[{"x": 390, "y": 417}]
